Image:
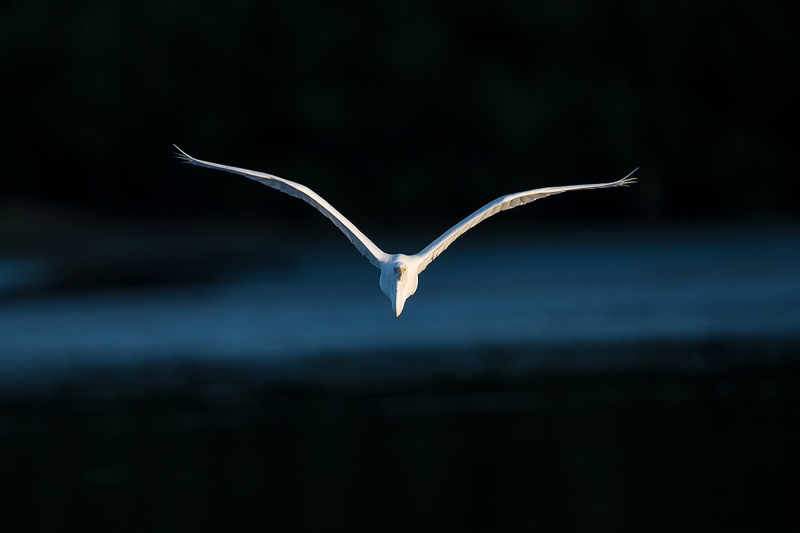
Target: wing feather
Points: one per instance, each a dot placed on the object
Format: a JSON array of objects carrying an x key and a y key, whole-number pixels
[
  {"x": 501, "y": 204},
  {"x": 367, "y": 248}
]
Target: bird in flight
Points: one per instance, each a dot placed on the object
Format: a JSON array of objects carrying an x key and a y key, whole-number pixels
[{"x": 399, "y": 272}]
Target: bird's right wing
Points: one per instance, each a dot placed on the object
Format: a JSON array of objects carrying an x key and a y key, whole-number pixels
[
  {"x": 501, "y": 204},
  {"x": 367, "y": 248}
]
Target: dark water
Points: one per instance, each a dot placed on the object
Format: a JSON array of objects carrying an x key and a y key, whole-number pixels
[
  {"x": 221, "y": 448},
  {"x": 577, "y": 382}
]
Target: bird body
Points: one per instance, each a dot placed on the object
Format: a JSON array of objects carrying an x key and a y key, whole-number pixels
[
  {"x": 399, "y": 279},
  {"x": 399, "y": 272}
]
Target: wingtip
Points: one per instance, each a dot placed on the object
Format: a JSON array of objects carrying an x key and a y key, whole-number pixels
[
  {"x": 183, "y": 156},
  {"x": 627, "y": 180}
]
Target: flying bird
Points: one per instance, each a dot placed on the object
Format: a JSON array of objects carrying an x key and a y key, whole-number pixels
[{"x": 399, "y": 272}]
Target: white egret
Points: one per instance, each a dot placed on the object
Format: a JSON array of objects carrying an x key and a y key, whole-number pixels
[{"x": 399, "y": 272}]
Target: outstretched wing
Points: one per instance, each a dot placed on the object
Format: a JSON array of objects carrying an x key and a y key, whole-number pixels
[
  {"x": 359, "y": 240},
  {"x": 501, "y": 204}
]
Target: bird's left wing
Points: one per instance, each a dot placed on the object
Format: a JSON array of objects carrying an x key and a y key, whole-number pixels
[
  {"x": 367, "y": 248},
  {"x": 501, "y": 204}
]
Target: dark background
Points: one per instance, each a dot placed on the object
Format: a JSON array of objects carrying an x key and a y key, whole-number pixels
[
  {"x": 383, "y": 107},
  {"x": 404, "y": 115}
]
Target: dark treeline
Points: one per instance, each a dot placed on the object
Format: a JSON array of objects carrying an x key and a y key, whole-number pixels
[{"x": 384, "y": 105}]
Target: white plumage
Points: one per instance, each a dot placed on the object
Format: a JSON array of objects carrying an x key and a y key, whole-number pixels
[{"x": 399, "y": 272}]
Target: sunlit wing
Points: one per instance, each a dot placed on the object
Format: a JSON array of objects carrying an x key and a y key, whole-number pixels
[
  {"x": 501, "y": 204},
  {"x": 367, "y": 248}
]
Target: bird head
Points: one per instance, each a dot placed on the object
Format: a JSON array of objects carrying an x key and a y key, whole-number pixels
[{"x": 398, "y": 282}]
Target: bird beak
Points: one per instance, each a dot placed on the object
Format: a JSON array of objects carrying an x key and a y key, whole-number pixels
[{"x": 398, "y": 302}]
